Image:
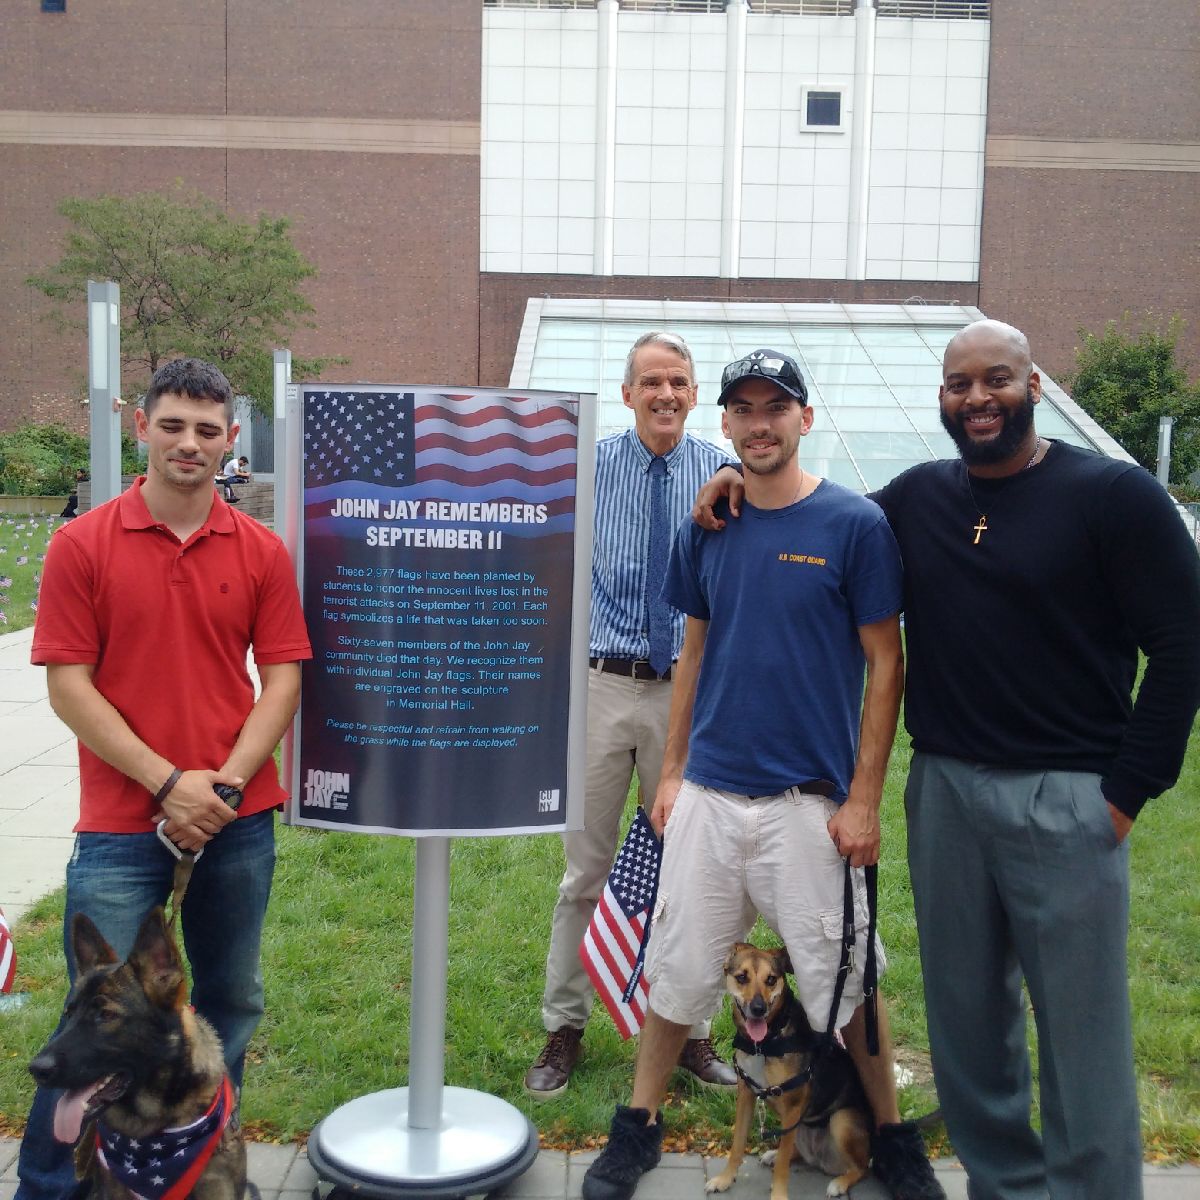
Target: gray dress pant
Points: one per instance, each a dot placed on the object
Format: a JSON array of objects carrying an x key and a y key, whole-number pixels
[
  {"x": 1018, "y": 874},
  {"x": 627, "y": 728}
]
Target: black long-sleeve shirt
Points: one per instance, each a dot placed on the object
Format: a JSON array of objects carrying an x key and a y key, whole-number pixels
[{"x": 1023, "y": 646}]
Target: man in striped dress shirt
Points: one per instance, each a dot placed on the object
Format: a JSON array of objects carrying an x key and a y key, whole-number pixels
[{"x": 628, "y": 701}]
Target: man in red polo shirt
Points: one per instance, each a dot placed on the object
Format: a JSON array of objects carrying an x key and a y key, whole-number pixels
[{"x": 148, "y": 608}]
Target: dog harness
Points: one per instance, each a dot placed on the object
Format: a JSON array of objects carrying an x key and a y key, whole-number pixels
[
  {"x": 166, "y": 1165},
  {"x": 819, "y": 1108}
]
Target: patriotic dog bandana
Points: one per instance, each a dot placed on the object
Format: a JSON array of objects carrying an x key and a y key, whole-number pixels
[{"x": 166, "y": 1165}]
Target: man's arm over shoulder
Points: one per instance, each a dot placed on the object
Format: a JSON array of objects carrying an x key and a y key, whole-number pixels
[{"x": 1154, "y": 571}]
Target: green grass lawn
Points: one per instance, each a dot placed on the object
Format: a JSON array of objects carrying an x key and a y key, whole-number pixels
[
  {"x": 22, "y": 552},
  {"x": 338, "y": 949},
  {"x": 338, "y": 970}
]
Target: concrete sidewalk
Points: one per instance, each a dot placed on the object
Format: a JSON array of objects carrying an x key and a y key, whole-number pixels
[{"x": 39, "y": 801}]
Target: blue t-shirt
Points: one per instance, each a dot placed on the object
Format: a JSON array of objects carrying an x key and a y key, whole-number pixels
[{"x": 784, "y": 591}]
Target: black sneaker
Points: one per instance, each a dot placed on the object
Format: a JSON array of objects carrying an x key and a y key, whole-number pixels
[
  {"x": 634, "y": 1147},
  {"x": 901, "y": 1162}
]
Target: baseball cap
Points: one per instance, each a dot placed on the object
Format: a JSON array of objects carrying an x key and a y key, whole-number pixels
[{"x": 767, "y": 364}]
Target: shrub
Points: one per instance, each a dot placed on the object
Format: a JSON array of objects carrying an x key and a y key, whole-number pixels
[{"x": 41, "y": 460}]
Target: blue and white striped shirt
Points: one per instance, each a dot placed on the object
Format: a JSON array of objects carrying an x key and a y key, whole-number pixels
[{"x": 621, "y": 534}]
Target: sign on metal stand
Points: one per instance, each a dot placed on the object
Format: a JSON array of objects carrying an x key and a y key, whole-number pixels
[{"x": 444, "y": 553}]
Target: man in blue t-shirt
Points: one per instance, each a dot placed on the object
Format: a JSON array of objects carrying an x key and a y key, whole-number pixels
[{"x": 775, "y": 759}]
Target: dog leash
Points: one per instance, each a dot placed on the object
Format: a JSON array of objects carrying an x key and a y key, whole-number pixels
[
  {"x": 786, "y": 1045},
  {"x": 186, "y": 860},
  {"x": 870, "y": 966}
]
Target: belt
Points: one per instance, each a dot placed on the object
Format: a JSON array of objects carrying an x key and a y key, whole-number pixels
[
  {"x": 810, "y": 787},
  {"x": 635, "y": 668}
]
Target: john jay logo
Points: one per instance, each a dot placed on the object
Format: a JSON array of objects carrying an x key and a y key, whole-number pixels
[{"x": 327, "y": 789}]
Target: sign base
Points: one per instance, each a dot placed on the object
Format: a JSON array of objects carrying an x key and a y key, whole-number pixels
[{"x": 368, "y": 1147}]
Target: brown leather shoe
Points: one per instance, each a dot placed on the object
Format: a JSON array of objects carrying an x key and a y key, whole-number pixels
[
  {"x": 552, "y": 1068},
  {"x": 706, "y": 1066}
]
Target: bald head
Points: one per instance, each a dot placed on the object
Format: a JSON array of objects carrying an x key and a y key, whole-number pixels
[{"x": 996, "y": 334}]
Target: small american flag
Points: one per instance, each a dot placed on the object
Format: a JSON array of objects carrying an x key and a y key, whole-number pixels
[
  {"x": 613, "y": 948},
  {"x": 8, "y": 956}
]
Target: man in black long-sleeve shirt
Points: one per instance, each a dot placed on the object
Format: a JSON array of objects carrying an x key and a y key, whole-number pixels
[{"x": 1034, "y": 574}]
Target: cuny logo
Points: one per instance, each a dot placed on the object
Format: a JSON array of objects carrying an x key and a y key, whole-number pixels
[{"x": 327, "y": 789}]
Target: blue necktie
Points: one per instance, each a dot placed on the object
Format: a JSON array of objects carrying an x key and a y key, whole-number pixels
[{"x": 661, "y": 640}]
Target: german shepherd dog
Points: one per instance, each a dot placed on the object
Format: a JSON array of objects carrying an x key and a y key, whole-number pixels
[
  {"x": 147, "y": 1099},
  {"x": 811, "y": 1081}
]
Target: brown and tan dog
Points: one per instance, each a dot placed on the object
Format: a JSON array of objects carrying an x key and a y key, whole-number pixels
[
  {"x": 810, "y": 1081},
  {"x": 147, "y": 1098}
]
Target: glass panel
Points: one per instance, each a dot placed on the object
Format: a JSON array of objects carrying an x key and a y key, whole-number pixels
[
  {"x": 885, "y": 335},
  {"x": 1051, "y": 422},
  {"x": 823, "y": 335},
  {"x": 866, "y": 446},
  {"x": 826, "y": 373},
  {"x": 838, "y": 395},
  {"x": 916, "y": 395},
  {"x": 891, "y": 420},
  {"x": 925, "y": 420},
  {"x": 839, "y": 356},
  {"x": 821, "y": 444},
  {"x": 881, "y": 471},
  {"x": 930, "y": 374},
  {"x": 840, "y": 470},
  {"x": 553, "y": 332},
  {"x": 907, "y": 353},
  {"x": 936, "y": 337}
]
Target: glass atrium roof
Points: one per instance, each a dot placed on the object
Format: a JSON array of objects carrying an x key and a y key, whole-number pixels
[{"x": 873, "y": 372}]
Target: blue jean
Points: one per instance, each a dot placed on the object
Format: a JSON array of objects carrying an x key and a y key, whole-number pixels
[{"x": 116, "y": 879}]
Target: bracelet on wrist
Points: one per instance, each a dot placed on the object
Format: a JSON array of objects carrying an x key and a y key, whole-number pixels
[{"x": 164, "y": 791}]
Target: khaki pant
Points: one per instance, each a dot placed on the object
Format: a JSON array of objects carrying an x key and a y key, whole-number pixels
[
  {"x": 627, "y": 728},
  {"x": 728, "y": 858}
]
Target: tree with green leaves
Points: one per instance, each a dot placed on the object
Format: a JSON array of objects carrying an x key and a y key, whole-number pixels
[
  {"x": 1127, "y": 377},
  {"x": 194, "y": 281}
]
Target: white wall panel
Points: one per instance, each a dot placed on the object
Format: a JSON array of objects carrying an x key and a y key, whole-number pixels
[{"x": 924, "y": 149}]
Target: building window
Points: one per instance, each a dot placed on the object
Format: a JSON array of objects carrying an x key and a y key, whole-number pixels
[
  {"x": 54, "y": 5},
  {"x": 821, "y": 109}
]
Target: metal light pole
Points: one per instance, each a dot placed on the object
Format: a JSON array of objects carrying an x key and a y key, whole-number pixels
[
  {"x": 1165, "y": 425},
  {"x": 104, "y": 389}
]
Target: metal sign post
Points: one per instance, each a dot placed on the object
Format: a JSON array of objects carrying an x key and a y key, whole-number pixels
[{"x": 445, "y": 553}]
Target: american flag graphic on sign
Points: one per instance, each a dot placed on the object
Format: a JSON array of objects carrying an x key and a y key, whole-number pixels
[
  {"x": 614, "y": 947},
  {"x": 8, "y": 956},
  {"x": 449, "y": 444}
]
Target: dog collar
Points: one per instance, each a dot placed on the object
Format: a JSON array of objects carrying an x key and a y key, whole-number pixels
[{"x": 166, "y": 1165}]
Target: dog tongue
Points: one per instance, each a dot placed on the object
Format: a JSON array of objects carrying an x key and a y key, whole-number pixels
[
  {"x": 68, "y": 1113},
  {"x": 756, "y": 1029}
]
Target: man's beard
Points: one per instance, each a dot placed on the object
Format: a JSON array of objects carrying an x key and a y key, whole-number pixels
[{"x": 1017, "y": 423}]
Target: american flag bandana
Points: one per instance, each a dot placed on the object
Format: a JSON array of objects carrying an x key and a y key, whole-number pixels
[{"x": 166, "y": 1165}]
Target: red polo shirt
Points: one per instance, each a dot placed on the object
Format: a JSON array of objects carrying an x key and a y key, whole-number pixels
[{"x": 168, "y": 626}]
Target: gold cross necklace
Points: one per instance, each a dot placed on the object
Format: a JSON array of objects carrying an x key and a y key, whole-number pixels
[{"x": 982, "y": 527}]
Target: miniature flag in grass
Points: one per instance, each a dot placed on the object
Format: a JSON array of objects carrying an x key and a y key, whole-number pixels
[
  {"x": 8, "y": 956},
  {"x": 613, "y": 950}
]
